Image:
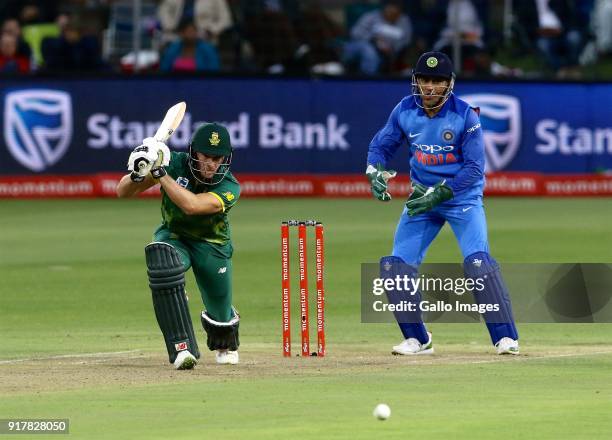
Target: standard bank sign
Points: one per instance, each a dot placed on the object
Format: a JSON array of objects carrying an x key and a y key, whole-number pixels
[
  {"x": 500, "y": 116},
  {"x": 37, "y": 126}
]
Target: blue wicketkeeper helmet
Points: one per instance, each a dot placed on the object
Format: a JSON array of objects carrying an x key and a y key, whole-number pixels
[{"x": 433, "y": 64}]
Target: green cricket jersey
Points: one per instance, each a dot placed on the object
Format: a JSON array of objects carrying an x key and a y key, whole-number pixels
[{"x": 212, "y": 228}]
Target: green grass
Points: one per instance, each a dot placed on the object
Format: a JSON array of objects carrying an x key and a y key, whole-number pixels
[{"x": 73, "y": 281}]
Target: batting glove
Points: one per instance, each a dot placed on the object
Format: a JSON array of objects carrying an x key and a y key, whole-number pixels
[
  {"x": 157, "y": 146},
  {"x": 157, "y": 170},
  {"x": 143, "y": 157}
]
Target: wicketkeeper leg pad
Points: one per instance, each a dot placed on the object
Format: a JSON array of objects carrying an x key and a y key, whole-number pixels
[
  {"x": 500, "y": 322},
  {"x": 410, "y": 321},
  {"x": 221, "y": 335},
  {"x": 167, "y": 282}
]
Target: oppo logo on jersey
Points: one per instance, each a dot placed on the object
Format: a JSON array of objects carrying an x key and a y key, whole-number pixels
[
  {"x": 432, "y": 155},
  {"x": 434, "y": 148}
]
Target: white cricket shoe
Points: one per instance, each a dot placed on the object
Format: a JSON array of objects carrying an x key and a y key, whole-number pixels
[
  {"x": 225, "y": 357},
  {"x": 185, "y": 361},
  {"x": 412, "y": 346},
  {"x": 507, "y": 346}
]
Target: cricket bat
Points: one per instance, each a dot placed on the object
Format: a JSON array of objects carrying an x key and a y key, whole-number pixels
[{"x": 171, "y": 121}]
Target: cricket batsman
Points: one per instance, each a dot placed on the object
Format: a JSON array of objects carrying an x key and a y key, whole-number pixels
[
  {"x": 198, "y": 191},
  {"x": 446, "y": 153}
]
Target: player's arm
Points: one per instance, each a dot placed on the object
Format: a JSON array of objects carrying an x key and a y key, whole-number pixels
[
  {"x": 129, "y": 188},
  {"x": 473, "y": 156},
  {"x": 190, "y": 203},
  {"x": 381, "y": 149},
  {"x": 385, "y": 143}
]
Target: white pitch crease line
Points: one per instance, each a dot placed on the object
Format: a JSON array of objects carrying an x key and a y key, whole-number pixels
[
  {"x": 535, "y": 358},
  {"x": 69, "y": 356}
]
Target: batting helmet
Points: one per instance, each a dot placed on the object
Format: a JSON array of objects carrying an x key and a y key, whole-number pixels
[{"x": 211, "y": 139}]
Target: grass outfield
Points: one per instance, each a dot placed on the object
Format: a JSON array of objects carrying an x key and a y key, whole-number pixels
[{"x": 79, "y": 339}]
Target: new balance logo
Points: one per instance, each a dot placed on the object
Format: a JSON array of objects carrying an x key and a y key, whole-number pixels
[{"x": 222, "y": 270}]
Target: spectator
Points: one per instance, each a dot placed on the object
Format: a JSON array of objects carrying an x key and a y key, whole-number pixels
[
  {"x": 319, "y": 36},
  {"x": 462, "y": 18},
  {"x": 485, "y": 67},
  {"x": 189, "y": 53},
  {"x": 273, "y": 37},
  {"x": 602, "y": 24},
  {"x": 211, "y": 17},
  {"x": 38, "y": 11},
  {"x": 71, "y": 51},
  {"x": 559, "y": 30},
  {"x": 10, "y": 60},
  {"x": 427, "y": 17},
  {"x": 12, "y": 27},
  {"x": 378, "y": 38},
  {"x": 37, "y": 18}
]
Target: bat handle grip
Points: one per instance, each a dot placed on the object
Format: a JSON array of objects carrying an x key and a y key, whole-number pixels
[{"x": 142, "y": 163}]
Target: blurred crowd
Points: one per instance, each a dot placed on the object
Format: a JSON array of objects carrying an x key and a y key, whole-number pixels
[{"x": 304, "y": 37}]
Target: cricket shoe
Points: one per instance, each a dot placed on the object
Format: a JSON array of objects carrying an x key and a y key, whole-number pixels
[
  {"x": 412, "y": 346},
  {"x": 507, "y": 346},
  {"x": 185, "y": 361},
  {"x": 227, "y": 357}
]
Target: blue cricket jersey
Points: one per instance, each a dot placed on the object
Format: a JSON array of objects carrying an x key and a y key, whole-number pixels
[{"x": 448, "y": 146}]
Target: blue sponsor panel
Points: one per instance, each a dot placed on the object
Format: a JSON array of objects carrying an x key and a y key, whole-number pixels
[
  {"x": 290, "y": 125},
  {"x": 562, "y": 128}
]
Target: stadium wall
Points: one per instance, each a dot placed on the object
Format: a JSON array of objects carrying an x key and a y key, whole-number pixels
[{"x": 294, "y": 137}]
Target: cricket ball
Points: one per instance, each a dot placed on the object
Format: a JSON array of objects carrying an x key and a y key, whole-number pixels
[{"x": 382, "y": 411}]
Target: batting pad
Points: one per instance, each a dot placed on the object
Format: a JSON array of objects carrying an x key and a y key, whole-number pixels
[
  {"x": 221, "y": 335},
  {"x": 167, "y": 282},
  {"x": 500, "y": 323},
  {"x": 410, "y": 322}
]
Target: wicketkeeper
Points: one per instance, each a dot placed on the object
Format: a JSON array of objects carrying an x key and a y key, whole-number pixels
[
  {"x": 198, "y": 190},
  {"x": 445, "y": 146}
]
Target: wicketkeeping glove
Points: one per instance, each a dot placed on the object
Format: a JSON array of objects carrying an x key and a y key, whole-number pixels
[
  {"x": 434, "y": 195},
  {"x": 418, "y": 190},
  {"x": 378, "y": 180}
]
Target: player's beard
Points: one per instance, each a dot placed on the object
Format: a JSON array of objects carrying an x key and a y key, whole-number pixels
[
  {"x": 430, "y": 102},
  {"x": 437, "y": 98},
  {"x": 207, "y": 173}
]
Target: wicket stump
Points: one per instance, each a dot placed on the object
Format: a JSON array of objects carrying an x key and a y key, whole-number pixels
[{"x": 303, "y": 284}]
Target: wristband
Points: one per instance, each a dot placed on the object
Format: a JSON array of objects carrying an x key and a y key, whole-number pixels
[{"x": 158, "y": 172}]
